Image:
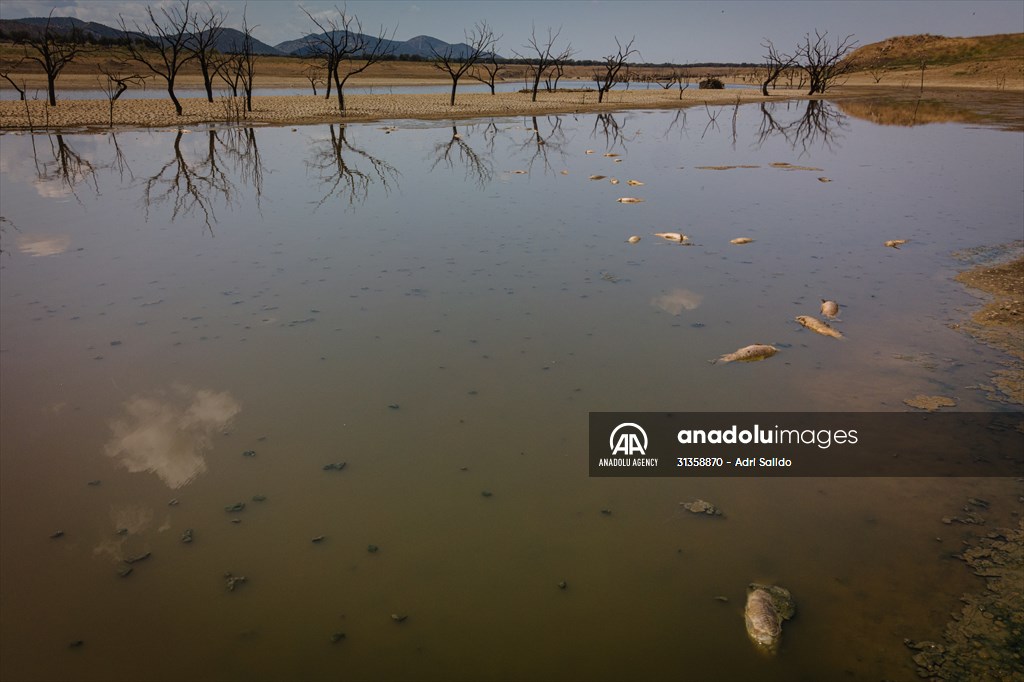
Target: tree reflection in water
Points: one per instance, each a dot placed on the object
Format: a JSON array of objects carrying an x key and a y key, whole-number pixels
[
  {"x": 541, "y": 146},
  {"x": 478, "y": 168},
  {"x": 335, "y": 162},
  {"x": 820, "y": 124}
]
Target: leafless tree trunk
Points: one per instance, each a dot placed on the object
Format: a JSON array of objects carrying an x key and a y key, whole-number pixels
[
  {"x": 165, "y": 49},
  {"x": 824, "y": 62},
  {"x": 314, "y": 74},
  {"x": 546, "y": 55},
  {"x": 5, "y": 73},
  {"x": 613, "y": 63},
  {"x": 115, "y": 85},
  {"x": 775, "y": 63},
  {"x": 341, "y": 41},
  {"x": 247, "y": 60},
  {"x": 52, "y": 50},
  {"x": 480, "y": 40},
  {"x": 491, "y": 67},
  {"x": 206, "y": 32}
]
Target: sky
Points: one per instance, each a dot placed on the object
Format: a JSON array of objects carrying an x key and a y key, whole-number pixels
[{"x": 664, "y": 31}]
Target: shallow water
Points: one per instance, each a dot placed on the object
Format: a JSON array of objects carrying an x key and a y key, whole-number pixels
[{"x": 403, "y": 300}]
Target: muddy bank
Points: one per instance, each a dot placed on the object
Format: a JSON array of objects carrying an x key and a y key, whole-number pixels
[
  {"x": 1000, "y": 323},
  {"x": 984, "y": 640}
]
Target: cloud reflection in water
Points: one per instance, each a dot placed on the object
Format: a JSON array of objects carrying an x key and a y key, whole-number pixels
[
  {"x": 167, "y": 433},
  {"x": 677, "y": 300}
]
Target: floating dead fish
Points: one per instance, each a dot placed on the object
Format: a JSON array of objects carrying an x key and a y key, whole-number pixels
[
  {"x": 614, "y": 181},
  {"x": 518, "y": 172},
  {"x": 699, "y": 506},
  {"x": 629, "y": 200},
  {"x": 399, "y": 617},
  {"x": 741, "y": 240},
  {"x": 767, "y": 607},
  {"x": 672, "y": 236},
  {"x": 597, "y": 177},
  {"x": 896, "y": 243},
  {"x": 634, "y": 239},
  {"x": 589, "y": 151},
  {"x": 634, "y": 183},
  {"x": 565, "y": 172},
  {"x": 618, "y": 160},
  {"x": 819, "y": 327},
  {"x": 829, "y": 308},
  {"x": 751, "y": 353},
  {"x": 611, "y": 155},
  {"x": 789, "y": 166},
  {"x": 824, "y": 180}
]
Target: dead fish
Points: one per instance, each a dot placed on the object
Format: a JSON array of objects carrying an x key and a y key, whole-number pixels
[
  {"x": 634, "y": 239},
  {"x": 824, "y": 180},
  {"x": 565, "y": 172},
  {"x": 896, "y": 243},
  {"x": 629, "y": 200},
  {"x": 614, "y": 181},
  {"x": 672, "y": 236},
  {"x": 819, "y": 327},
  {"x": 618, "y": 160},
  {"x": 518, "y": 172},
  {"x": 597, "y": 177},
  {"x": 764, "y": 626},
  {"x": 634, "y": 183},
  {"x": 752, "y": 353},
  {"x": 611, "y": 155},
  {"x": 589, "y": 151},
  {"x": 741, "y": 240},
  {"x": 829, "y": 308}
]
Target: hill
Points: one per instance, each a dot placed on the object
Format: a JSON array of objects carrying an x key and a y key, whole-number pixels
[{"x": 910, "y": 51}]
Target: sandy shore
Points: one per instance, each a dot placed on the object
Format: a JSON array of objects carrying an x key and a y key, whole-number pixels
[{"x": 299, "y": 109}]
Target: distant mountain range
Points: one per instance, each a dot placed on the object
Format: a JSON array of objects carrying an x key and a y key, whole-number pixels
[{"x": 230, "y": 40}]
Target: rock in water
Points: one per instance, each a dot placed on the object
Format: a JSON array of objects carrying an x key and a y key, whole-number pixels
[
  {"x": 767, "y": 606},
  {"x": 701, "y": 507},
  {"x": 752, "y": 353},
  {"x": 819, "y": 327}
]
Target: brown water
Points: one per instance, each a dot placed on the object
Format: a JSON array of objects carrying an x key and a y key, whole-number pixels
[{"x": 171, "y": 301}]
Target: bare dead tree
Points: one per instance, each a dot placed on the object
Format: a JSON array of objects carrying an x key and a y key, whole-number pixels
[
  {"x": 205, "y": 34},
  {"x": 775, "y": 63},
  {"x": 5, "y": 73},
  {"x": 546, "y": 56},
  {"x": 53, "y": 50},
  {"x": 341, "y": 43},
  {"x": 477, "y": 167},
  {"x": 164, "y": 49},
  {"x": 480, "y": 40},
  {"x": 246, "y": 59},
  {"x": 823, "y": 61},
  {"x": 490, "y": 66},
  {"x": 314, "y": 74},
  {"x": 334, "y": 164},
  {"x": 114, "y": 84},
  {"x": 608, "y": 72}
]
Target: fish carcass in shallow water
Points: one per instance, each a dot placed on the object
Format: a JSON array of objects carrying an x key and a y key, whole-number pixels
[
  {"x": 741, "y": 240},
  {"x": 672, "y": 236},
  {"x": 767, "y": 606},
  {"x": 752, "y": 353},
  {"x": 629, "y": 200},
  {"x": 819, "y": 327},
  {"x": 896, "y": 243},
  {"x": 829, "y": 308}
]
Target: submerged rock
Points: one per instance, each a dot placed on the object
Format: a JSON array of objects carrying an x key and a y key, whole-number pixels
[
  {"x": 186, "y": 537},
  {"x": 236, "y": 507},
  {"x": 137, "y": 558},
  {"x": 233, "y": 581},
  {"x": 337, "y": 637},
  {"x": 336, "y": 466}
]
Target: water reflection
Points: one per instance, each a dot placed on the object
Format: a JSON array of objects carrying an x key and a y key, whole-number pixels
[
  {"x": 821, "y": 124},
  {"x": 676, "y": 301},
  {"x": 44, "y": 246},
  {"x": 478, "y": 168},
  {"x": 336, "y": 160},
  {"x": 169, "y": 432},
  {"x": 908, "y": 113}
]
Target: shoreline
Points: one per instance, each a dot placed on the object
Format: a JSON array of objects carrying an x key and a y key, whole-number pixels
[{"x": 310, "y": 109}]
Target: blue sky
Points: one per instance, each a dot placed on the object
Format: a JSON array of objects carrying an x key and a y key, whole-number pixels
[{"x": 665, "y": 31}]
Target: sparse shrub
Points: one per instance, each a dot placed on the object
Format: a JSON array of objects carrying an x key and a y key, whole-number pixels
[{"x": 711, "y": 83}]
